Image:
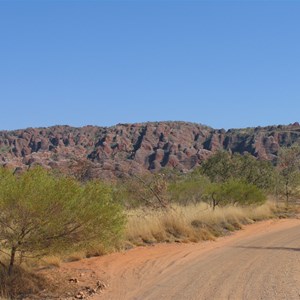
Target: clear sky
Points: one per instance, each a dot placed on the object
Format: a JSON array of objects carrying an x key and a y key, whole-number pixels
[{"x": 220, "y": 63}]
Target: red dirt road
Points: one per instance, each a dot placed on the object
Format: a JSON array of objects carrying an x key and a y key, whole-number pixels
[{"x": 260, "y": 262}]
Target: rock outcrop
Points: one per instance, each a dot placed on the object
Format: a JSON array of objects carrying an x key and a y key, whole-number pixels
[{"x": 124, "y": 149}]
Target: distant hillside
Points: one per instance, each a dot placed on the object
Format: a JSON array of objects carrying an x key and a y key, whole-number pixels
[{"x": 124, "y": 149}]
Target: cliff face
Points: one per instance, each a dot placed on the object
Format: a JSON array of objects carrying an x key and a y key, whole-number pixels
[{"x": 137, "y": 148}]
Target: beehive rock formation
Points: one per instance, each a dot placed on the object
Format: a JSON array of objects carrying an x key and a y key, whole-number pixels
[{"x": 125, "y": 149}]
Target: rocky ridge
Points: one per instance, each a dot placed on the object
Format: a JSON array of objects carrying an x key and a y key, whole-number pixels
[{"x": 125, "y": 149}]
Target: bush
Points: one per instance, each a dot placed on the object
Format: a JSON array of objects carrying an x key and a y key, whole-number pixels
[
  {"x": 236, "y": 193},
  {"x": 148, "y": 190},
  {"x": 21, "y": 284},
  {"x": 40, "y": 214},
  {"x": 288, "y": 166},
  {"x": 191, "y": 189},
  {"x": 222, "y": 166}
]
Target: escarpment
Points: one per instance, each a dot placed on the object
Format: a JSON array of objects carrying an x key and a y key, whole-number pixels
[{"x": 125, "y": 149}]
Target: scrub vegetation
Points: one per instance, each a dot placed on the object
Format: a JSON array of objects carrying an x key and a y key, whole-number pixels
[{"x": 48, "y": 218}]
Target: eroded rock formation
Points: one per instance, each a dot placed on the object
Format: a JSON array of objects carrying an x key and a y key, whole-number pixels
[{"x": 124, "y": 149}]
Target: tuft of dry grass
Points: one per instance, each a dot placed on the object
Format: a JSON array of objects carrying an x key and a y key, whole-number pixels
[
  {"x": 20, "y": 284},
  {"x": 191, "y": 223},
  {"x": 75, "y": 256},
  {"x": 96, "y": 251},
  {"x": 51, "y": 261}
]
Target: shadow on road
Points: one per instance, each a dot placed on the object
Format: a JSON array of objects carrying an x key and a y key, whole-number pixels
[{"x": 268, "y": 248}]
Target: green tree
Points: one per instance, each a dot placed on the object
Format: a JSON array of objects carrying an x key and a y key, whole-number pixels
[
  {"x": 251, "y": 170},
  {"x": 148, "y": 190},
  {"x": 40, "y": 213},
  {"x": 218, "y": 167},
  {"x": 192, "y": 188},
  {"x": 289, "y": 172},
  {"x": 235, "y": 192},
  {"x": 223, "y": 166}
]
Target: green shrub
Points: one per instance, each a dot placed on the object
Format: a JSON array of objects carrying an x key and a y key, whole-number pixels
[
  {"x": 235, "y": 192},
  {"x": 191, "y": 189},
  {"x": 40, "y": 213},
  {"x": 222, "y": 166}
]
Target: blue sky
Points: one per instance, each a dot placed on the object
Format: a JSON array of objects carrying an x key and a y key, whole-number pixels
[{"x": 221, "y": 63}]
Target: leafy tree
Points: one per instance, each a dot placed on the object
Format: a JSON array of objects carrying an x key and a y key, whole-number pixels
[
  {"x": 219, "y": 167},
  {"x": 149, "y": 190},
  {"x": 190, "y": 189},
  {"x": 289, "y": 172},
  {"x": 40, "y": 213},
  {"x": 223, "y": 166},
  {"x": 251, "y": 170},
  {"x": 235, "y": 192}
]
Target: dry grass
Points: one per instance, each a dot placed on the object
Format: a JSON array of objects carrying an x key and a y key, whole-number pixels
[
  {"x": 20, "y": 284},
  {"x": 51, "y": 261},
  {"x": 56, "y": 260},
  {"x": 191, "y": 223},
  {"x": 75, "y": 256}
]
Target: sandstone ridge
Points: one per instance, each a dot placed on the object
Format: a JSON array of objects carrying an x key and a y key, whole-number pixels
[{"x": 125, "y": 149}]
